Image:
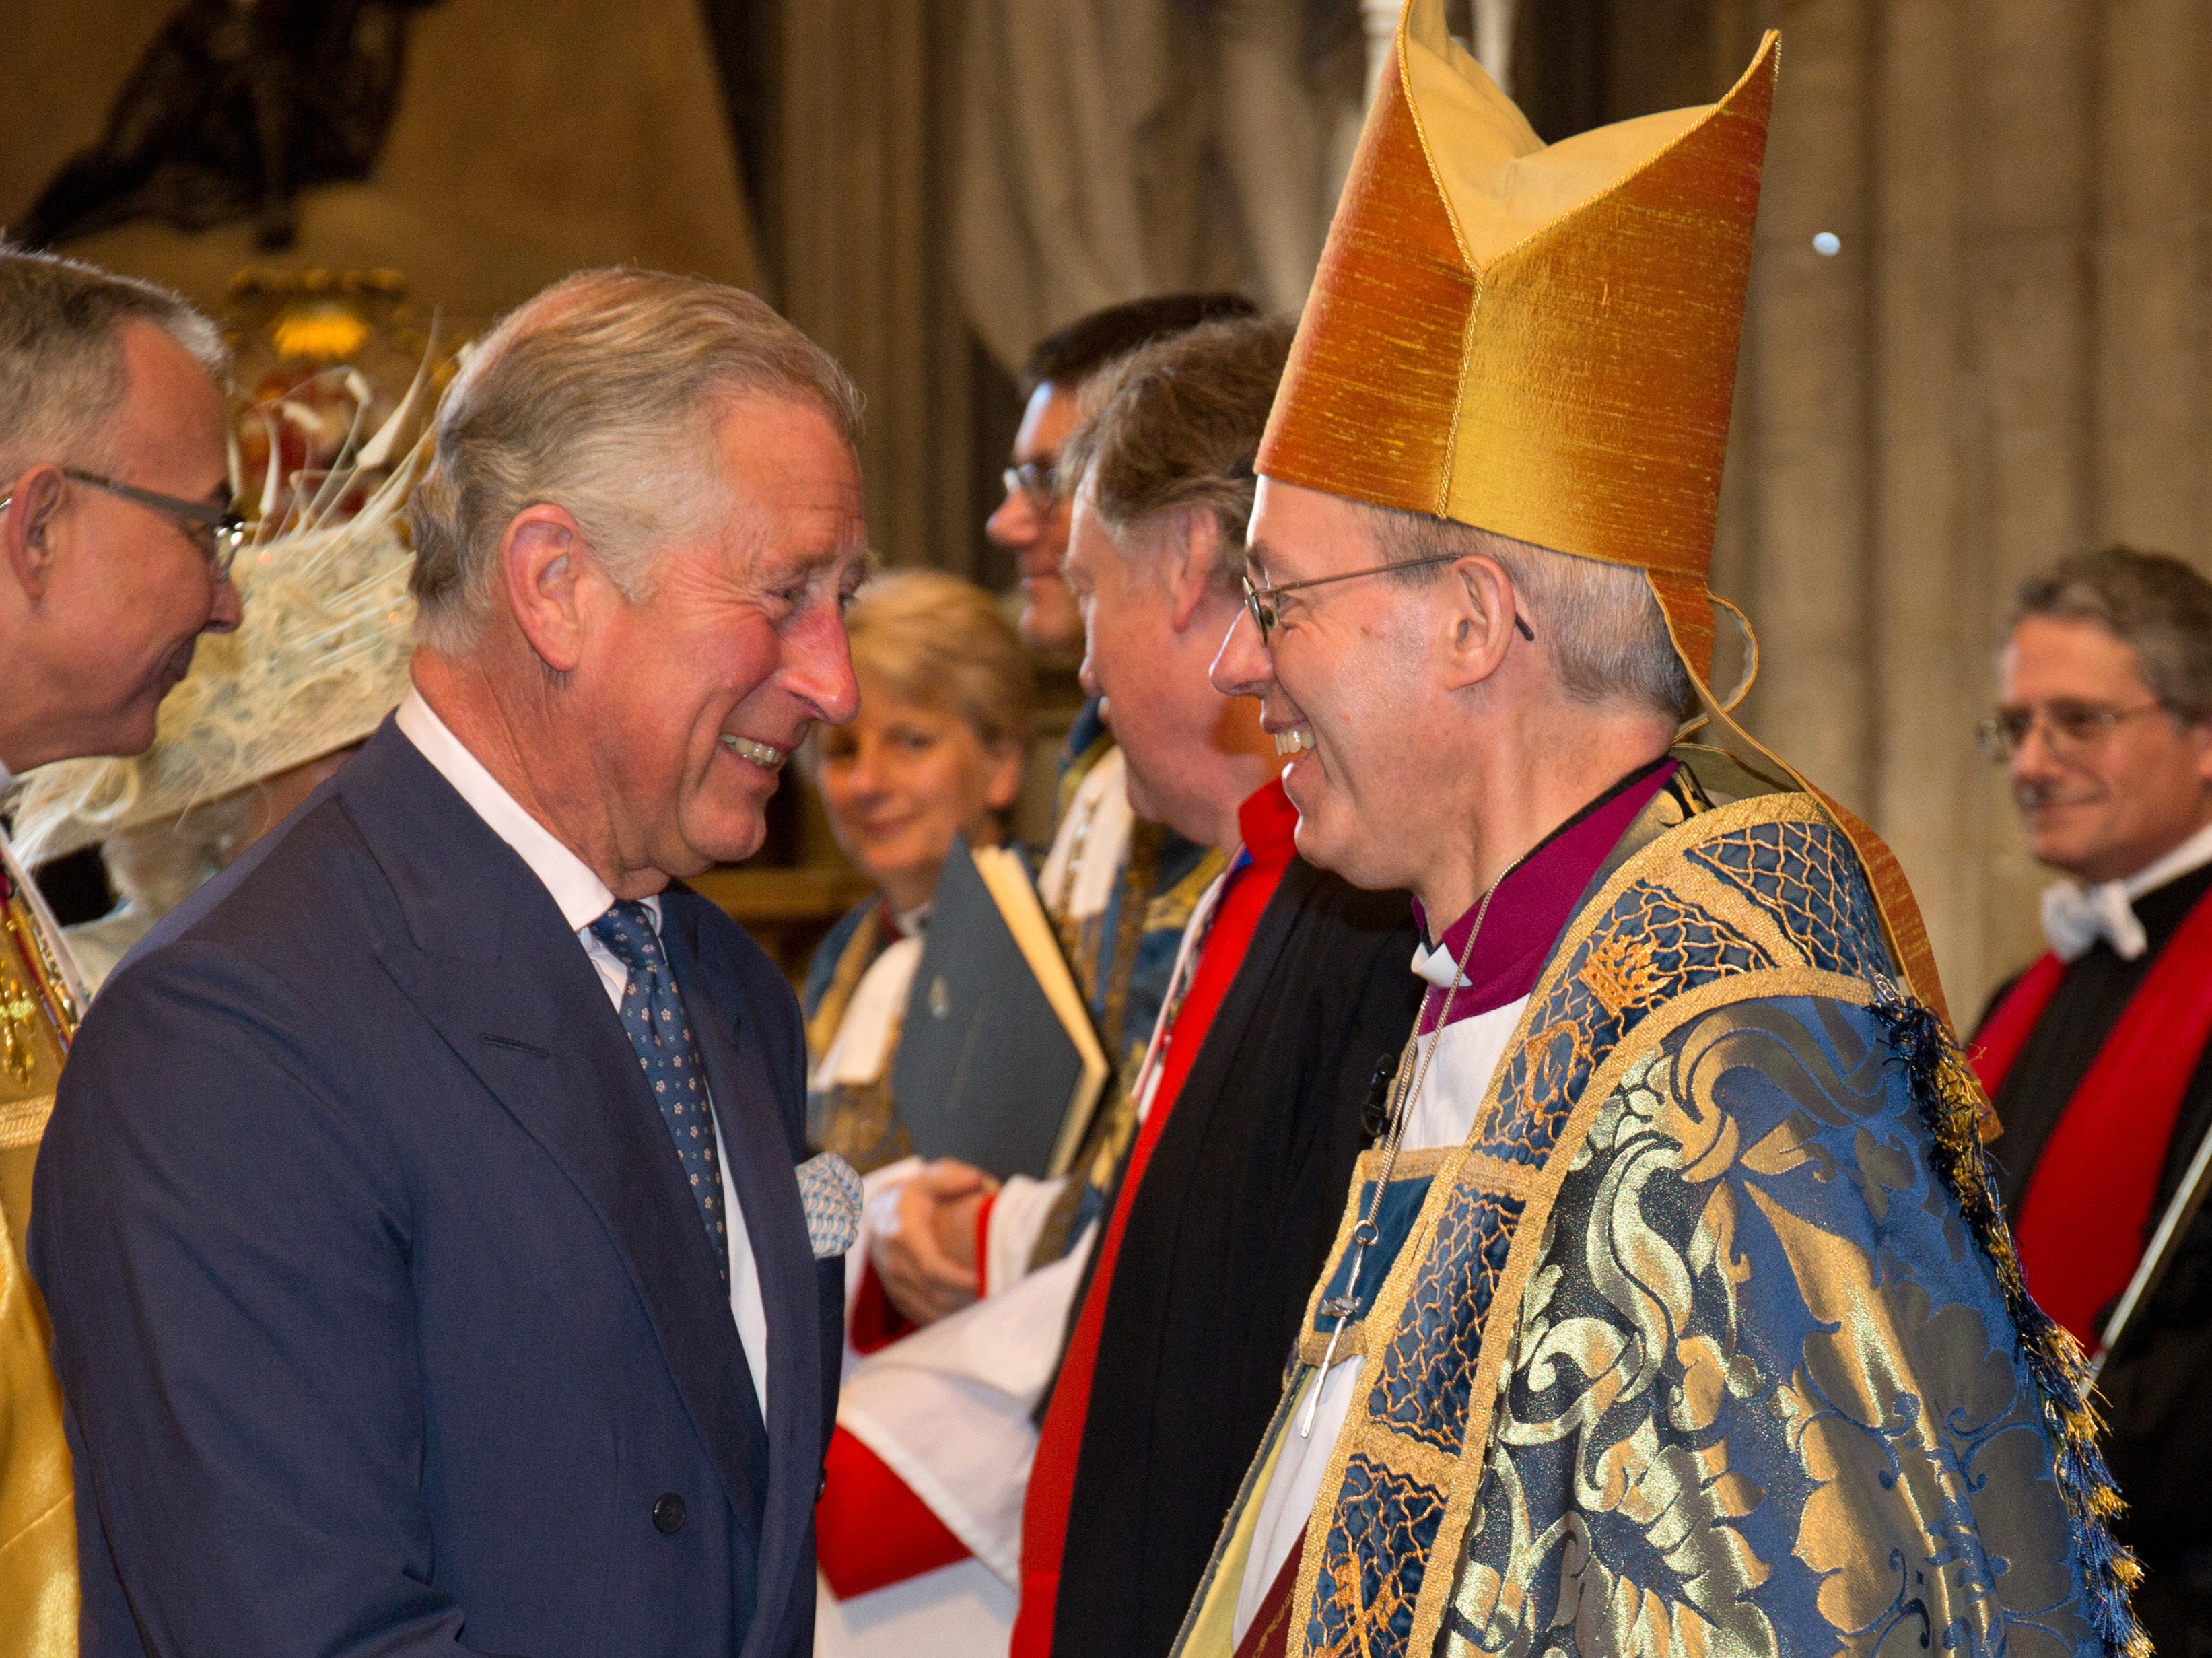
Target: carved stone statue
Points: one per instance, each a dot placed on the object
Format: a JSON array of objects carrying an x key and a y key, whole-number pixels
[{"x": 237, "y": 107}]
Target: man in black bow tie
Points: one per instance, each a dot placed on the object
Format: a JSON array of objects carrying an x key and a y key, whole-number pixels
[{"x": 2096, "y": 1055}]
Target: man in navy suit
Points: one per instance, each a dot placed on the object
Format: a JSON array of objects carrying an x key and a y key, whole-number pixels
[{"x": 418, "y": 1218}]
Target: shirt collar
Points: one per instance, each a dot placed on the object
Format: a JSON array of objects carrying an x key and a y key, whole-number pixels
[
  {"x": 1531, "y": 905},
  {"x": 2193, "y": 853},
  {"x": 2075, "y": 916},
  {"x": 581, "y": 895}
]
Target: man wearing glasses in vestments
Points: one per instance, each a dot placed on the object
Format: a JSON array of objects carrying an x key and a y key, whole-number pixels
[
  {"x": 116, "y": 540},
  {"x": 2095, "y": 1056},
  {"x": 1670, "y": 1310}
]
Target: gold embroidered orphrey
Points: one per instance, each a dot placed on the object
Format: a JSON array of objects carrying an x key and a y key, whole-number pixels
[{"x": 40, "y": 1004}]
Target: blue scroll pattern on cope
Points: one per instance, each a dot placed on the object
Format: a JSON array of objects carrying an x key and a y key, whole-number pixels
[
  {"x": 1765, "y": 1398},
  {"x": 1687, "y": 1532}
]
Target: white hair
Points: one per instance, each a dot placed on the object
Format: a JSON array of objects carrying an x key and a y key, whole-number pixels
[
  {"x": 62, "y": 372},
  {"x": 1598, "y": 622},
  {"x": 599, "y": 396}
]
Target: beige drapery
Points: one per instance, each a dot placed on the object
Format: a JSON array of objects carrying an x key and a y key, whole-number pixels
[{"x": 1112, "y": 149}]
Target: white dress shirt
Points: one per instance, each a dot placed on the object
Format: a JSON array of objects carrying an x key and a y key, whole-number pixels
[{"x": 583, "y": 898}]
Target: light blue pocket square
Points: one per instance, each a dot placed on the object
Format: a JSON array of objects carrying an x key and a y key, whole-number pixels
[{"x": 831, "y": 1193}]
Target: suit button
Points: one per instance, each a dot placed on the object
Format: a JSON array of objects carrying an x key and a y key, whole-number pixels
[{"x": 668, "y": 1513}]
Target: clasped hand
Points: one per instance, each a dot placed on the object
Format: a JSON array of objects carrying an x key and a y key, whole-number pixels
[{"x": 925, "y": 1255}]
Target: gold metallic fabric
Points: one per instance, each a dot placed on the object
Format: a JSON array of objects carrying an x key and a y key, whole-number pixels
[
  {"x": 39, "y": 1005},
  {"x": 1538, "y": 341},
  {"x": 37, "y": 1519}
]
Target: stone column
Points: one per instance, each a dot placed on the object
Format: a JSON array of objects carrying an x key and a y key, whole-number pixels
[{"x": 1808, "y": 583}]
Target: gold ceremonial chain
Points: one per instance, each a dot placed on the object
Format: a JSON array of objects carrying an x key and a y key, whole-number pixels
[
  {"x": 1342, "y": 1307},
  {"x": 43, "y": 988}
]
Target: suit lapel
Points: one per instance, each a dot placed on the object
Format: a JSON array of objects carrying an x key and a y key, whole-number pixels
[
  {"x": 758, "y": 1170},
  {"x": 488, "y": 960}
]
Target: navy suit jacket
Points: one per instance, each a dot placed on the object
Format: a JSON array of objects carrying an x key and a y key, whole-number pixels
[{"x": 385, "y": 1317}]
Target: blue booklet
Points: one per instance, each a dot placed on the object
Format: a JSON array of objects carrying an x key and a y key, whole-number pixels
[{"x": 999, "y": 1064}]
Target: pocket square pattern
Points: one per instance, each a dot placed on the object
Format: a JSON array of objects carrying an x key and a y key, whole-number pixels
[{"x": 831, "y": 1192}]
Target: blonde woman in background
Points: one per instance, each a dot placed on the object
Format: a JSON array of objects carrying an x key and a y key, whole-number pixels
[{"x": 936, "y": 751}]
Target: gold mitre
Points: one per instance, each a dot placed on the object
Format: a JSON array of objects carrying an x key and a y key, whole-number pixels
[
  {"x": 1541, "y": 341},
  {"x": 1536, "y": 340}
]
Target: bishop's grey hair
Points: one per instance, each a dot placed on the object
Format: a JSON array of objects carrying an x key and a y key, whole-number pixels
[
  {"x": 599, "y": 396},
  {"x": 1600, "y": 623},
  {"x": 61, "y": 374}
]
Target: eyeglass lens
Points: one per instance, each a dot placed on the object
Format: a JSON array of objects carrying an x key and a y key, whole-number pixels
[
  {"x": 1037, "y": 482},
  {"x": 2071, "y": 729}
]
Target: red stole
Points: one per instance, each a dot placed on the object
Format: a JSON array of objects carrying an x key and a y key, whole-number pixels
[
  {"x": 1270, "y": 1634},
  {"x": 2088, "y": 1208},
  {"x": 1268, "y": 822}
]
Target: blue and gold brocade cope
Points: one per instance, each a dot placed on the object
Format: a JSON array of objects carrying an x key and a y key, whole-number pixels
[{"x": 1693, "y": 1348}]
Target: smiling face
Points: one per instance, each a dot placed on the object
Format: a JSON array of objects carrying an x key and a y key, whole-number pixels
[
  {"x": 694, "y": 696},
  {"x": 1151, "y": 621},
  {"x": 902, "y": 779},
  {"x": 129, "y": 589},
  {"x": 1038, "y": 538},
  {"x": 1342, "y": 685},
  {"x": 2103, "y": 808}
]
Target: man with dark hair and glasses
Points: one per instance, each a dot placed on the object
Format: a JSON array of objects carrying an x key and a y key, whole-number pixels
[
  {"x": 116, "y": 539},
  {"x": 2096, "y": 1055},
  {"x": 1031, "y": 523}
]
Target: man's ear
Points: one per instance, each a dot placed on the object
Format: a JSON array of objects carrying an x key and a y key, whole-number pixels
[
  {"x": 1476, "y": 612},
  {"x": 26, "y": 529},
  {"x": 1193, "y": 544},
  {"x": 1002, "y": 784},
  {"x": 541, "y": 564},
  {"x": 2200, "y": 739}
]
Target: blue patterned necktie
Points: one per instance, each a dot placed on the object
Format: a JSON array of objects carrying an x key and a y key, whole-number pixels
[{"x": 660, "y": 1031}]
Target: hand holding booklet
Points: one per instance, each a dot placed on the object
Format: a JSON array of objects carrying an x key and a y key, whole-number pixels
[{"x": 999, "y": 1064}]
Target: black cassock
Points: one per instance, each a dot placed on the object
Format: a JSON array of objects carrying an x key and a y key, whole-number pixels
[
  {"x": 2157, "y": 1387},
  {"x": 1239, "y": 1206}
]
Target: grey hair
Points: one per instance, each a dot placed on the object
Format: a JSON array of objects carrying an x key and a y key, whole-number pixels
[
  {"x": 2151, "y": 602},
  {"x": 61, "y": 374},
  {"x": 1176, "y": 427},
  {"x": 1598, "y": 622},
  {"x": 599, "y": 396}
]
